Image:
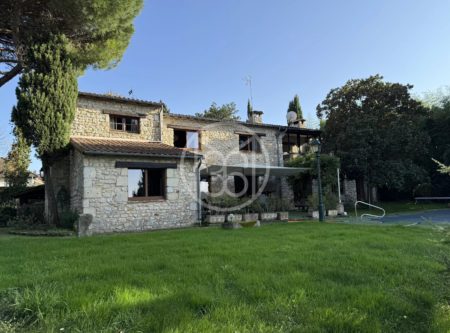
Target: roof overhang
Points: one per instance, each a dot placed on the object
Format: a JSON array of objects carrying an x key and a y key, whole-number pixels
[{"x": 251, "y": 170}]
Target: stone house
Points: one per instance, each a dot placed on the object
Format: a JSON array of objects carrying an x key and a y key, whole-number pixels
[{"x": 133, "y": 167}]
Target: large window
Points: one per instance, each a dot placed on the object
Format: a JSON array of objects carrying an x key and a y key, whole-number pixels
[
  {"x": 146, "y": 184},
  {"x": 186, "y": 139},
  {"x": 126, "y": 124},
  {"x": 249, "y": 143}
]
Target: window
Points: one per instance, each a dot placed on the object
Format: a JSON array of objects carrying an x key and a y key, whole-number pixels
[
  {"x": 146, "y": 183},
  {"x": 126, "y": 124},
  {"x": 186, "y": 139},
  {"x": 249, "y": 143}
]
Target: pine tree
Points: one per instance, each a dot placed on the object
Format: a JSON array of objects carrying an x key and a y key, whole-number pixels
[
  {"x": 17, "y": 162},
  {"x": 295, "y": 106},
  {"x": 46, "y": 102}
]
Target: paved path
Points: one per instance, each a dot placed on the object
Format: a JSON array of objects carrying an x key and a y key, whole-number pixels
[{"x": 430, "y": 216}]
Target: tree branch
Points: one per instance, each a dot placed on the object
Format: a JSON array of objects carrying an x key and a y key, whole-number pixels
[{"x": 10, "y": 75}]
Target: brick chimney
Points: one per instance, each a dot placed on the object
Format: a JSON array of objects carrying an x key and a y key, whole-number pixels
[{"x": 255, "y": 117}]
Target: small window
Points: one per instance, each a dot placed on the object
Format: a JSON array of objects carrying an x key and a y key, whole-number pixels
[
  {"x": 249, "y": 143},
  {"x": 146, "y": 183},
  {"x": 186, "y": 139},
  {"x": 126, "y": 124}
]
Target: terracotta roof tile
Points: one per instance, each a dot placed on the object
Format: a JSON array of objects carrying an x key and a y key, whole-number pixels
[{"x": 106, "y": 146}]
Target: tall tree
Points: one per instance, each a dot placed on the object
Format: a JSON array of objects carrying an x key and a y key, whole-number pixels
[
  {"x": 97, "y": 31},
  {"x": 17, "y": 162},
  {"x": 295, "y": 106},
  {"x": 437, "y": 126},
  {"x": 249, "y": 109},
  {"x": 46, "y": 101},
  {"x": 375, "y": 128},
  {"x": 224, "y": 112}
]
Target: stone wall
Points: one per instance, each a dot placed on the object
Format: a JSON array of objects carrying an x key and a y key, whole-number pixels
[
  {"x": 76, "y": 181},
  {"x": 219, "y": 141},
  {"x": 349, "y": 194},
  {"x": 105, "y": 197},
  {"x": 91, "y": 120}
]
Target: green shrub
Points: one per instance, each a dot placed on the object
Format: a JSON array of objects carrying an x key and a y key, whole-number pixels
[
  {"x": 330, "y": 199},
  {"x": 29, "y": 215},
  {"x": 313, "y": 201},
  {"x": 6, "y": 214},
  {"x": 68, "y": 218},
  {"x": 423, "y": 190}
]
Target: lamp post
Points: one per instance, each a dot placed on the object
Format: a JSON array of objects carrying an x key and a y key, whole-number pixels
[{"x": 315, "y": 147}]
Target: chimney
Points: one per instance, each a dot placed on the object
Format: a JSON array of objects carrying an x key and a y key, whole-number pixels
[
  {"x": 300, "y": 123},
  {"x": 255, "y": 117}
]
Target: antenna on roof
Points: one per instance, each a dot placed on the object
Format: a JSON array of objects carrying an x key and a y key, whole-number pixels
[{"x": 248, "y": 82}]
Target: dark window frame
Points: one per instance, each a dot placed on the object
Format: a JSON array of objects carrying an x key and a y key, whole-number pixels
[
  {"x": 250, "y": 145},
  {"x": 163, "y": 185},
  {"x": 119, "y": 123},
  {"x": 186, "y": 138}
]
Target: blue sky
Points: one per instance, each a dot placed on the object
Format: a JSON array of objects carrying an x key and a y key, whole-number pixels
[{"x": 190, "y": 53}]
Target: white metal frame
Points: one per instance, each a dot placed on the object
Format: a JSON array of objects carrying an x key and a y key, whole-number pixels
[{"x": 369, "y": 215}]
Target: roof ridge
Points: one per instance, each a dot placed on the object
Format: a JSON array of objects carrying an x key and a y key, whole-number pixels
[{"x": 119, "y": 98}]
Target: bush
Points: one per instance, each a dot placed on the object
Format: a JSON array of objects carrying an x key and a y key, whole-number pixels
[
  {"x": 7, "y": 214},
  {"x": 29, "y": 215},
  {"x": 423, "y": 190},
  {"x": 313, "y": 201},
  {"x": 68, "y": 218},
  {"x": 330, "y": 199}
]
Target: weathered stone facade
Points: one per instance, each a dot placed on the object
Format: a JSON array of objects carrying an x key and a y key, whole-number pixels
[
  {"x": 92, "y": 119},
  {"x": 104, "y": 195},
  {"x": 99, "y": 189}
]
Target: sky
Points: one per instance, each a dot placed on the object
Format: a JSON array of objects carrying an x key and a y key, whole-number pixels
[{"x": 190, "y": 53}]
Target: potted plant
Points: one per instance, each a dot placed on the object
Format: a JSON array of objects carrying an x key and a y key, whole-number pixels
[
  {"x": 252, "y": 212},
  {"x": 268, "y": 210},
  {"x": 313, "y": 204},
  {"x": 281, "y": 207},
  {"x": 331, "y": 202},
  {"x": 215, "y": 214}
]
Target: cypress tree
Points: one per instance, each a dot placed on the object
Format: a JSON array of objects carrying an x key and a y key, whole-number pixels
[
  {"x": 46, "y": 102},
  {"x": 295, "y": 106},
  {"x": 249, "y": 110}
]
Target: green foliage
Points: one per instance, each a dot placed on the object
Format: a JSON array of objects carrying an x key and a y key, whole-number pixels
[
  {"x": 46, "y": 97},
  {"x": 224, "y": 112},
  {"x": 97, "y": 31},
  {"x": 423, "y": 190},
  {"x": 17, "y": 162},
  {"x": 249, "y": 109},
  {"x": 375, "y": 128},
  {"x": 362, "y": 278},
  {"x": 437, "y": 126},
  {"x": 330, "y": 199},
  {"x": 328, "y": 168},
  {"x": 68, "y": 219},
  {"x": 29, "y": 216},
  {"x": 7, "y": 213},
  {"x": 295, "y": 106},
  {"x": 313, "y": 201}
]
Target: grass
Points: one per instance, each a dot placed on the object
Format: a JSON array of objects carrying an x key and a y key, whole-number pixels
[
  {"x": 302, "y": 277},
  {"x": 399, "y": 207}
]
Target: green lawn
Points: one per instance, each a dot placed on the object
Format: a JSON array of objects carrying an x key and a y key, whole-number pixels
[
  {"x": 302, "y": 277},
  {"x": 399, "y": 207}
]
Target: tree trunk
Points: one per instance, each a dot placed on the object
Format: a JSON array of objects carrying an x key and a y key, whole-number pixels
[{"x": 51, "y": 206}]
